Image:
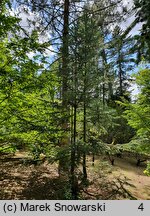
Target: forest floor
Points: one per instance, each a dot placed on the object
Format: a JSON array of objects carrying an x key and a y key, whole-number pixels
[
  {"x": 19, "y": 180},
  {"x": 127, "y": 167}
]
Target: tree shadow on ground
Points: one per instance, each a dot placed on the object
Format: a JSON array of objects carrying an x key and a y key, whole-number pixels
[
  {"x": 19, "y": 181},
  {"x": 40, "y": 187}
]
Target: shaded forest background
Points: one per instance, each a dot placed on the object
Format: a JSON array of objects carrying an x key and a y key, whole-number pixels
[{"x": 66, "y": 79}]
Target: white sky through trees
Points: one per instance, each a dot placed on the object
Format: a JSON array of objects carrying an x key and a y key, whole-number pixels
[
  {"x": 46, "y": 36},
  {"x": 129, "y": 4},
  {"x": 20, "y": 12}
]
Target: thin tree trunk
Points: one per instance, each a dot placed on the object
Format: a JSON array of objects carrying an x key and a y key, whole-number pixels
[
  {"x": 84, "y": 104},
  {"x": 93, "y": 159},
  {"x": 106, "y": 73},
  {"x": 84, "y": 139},
  {"x": 104, "y": 59},
  {"x": 65, "y": 55},
  {"x": 63, "y": 163},
  {"x": 74, "y": 181},
  {"x": 120, "y": 73}
]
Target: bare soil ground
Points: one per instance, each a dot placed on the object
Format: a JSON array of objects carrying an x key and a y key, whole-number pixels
[
  {"x": 28, "y": 181},
  {"x": 127, "y": 167}
]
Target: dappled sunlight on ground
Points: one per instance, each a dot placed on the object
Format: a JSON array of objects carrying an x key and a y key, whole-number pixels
[
  {"x": 19, "y": 180},
  {"x": 126, "y": 167}
]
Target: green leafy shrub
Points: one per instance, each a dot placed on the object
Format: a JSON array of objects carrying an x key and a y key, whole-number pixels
[
  {"x": 147, "y": 171},
  {"x": 7, "y": 150}
]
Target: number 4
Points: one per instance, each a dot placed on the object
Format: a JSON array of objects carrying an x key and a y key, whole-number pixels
[{"x": 141, "y": 207}]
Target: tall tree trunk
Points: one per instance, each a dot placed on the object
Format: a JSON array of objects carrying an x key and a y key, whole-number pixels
[
  {"x": 84, "y": 130},
  {"x": 105, "y": 72},
  {"x": 65, "y": 55},
  {"x": 106, "y": 76},
  {"x": 63, "y": 163},
  {"x": 84, "y": 139},
  {"x": 120, "y": 72},
  {"x": 85, "y": 100},
  {"x": 74, "y": 180}
]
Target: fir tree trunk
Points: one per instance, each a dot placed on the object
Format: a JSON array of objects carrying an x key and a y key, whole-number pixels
[
  {"x": 63, "y": 163},
  {"x": 84, "y": 101},
  {"x": 106, "y": 75},
  {"x": 84, "y": 140},
  {"x": 93, "y": 159},
  {"x": 120, "y": 73},
  {"x": 74, "y": 181},
  {"x": 65, "y": 56}
]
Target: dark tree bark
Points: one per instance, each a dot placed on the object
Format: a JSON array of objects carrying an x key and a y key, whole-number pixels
[
  {"x": 84, "y": 129},
  {"x": 74, "y": 180},
  {"x": 63, "y": 164},
  {"x": 65, "y": 55},
  {"x": 93, "y": 159}
]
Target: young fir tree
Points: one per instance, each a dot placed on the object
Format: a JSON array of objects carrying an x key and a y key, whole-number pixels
[{"x": 83, "y": 64}]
